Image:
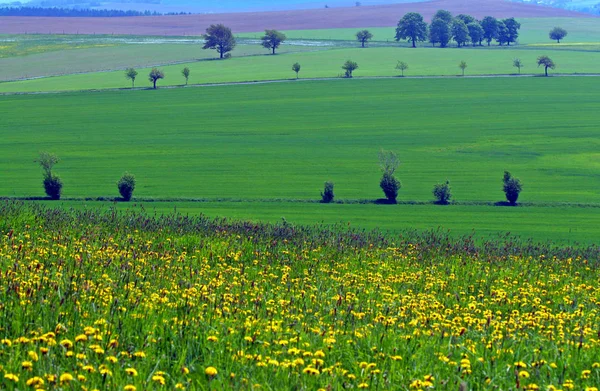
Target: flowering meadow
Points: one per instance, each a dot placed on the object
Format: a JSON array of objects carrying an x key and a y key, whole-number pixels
[{"x": 131, "y": 301}]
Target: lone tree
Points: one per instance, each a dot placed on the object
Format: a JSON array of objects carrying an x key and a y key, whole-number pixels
[
  {"x": 460, "y": 32},
  {"x": 463, "y": 65},
  {"x": 349, "y": 66},
  {"x": 439, "y": 32},
  {"x": 131, "y": 74},
  {"x": 186, "y": 73},
  {"x": 490, "y": 29},
  {"x": 126, "y": 186},
  {"x": 155, "y": 75},
  {"x": 512, "y": 188},
  {"x": 517, "y": 63},
  {"x": 389, "y": 163},
  {"x": 558, "y": 33},
  {"x": 442, "y": 193},
  {"x": 546, "y": 62},
  {"x": 220, "y": 38},
  {"x": 412, "y": 27},
  {"x": 402, "y": 66},
  {"x": 52, "y": 183},
  {"x": 296, "y": 68},
  {"x": 327, "y": 195},
  {"x": 363, "y": 36},
  {"x": 272, "y": 39}
]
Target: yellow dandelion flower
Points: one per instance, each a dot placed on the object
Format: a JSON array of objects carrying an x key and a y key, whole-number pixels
[
  {"x": 33, "y": 356},
  {"x": 524, "y": 374},
  {"x": 35, "y": 382},
  {"x": 585, "y": 374},
  {"x": 11, "y": 377},
  {"x": 27, "y": 365},
  {"x": 211, "y": 371},
  {"x": 129, "y": 387},
  {"x": 81, "y": 338},
  {"x": 212, "y": 338},
  {"x": 131, "y": 372},
  {"x": 65, "y": 378},
  {"x": 363, "y": 385},
  {"x": 159, "y": 379}
]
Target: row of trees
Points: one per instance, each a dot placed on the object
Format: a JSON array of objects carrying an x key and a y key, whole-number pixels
[
  {"x": 462, "y": 29},
  {"x": 53, "y": 184},
  {"x": 76, "y": 12},
  {"x": 391, "y": 185}
]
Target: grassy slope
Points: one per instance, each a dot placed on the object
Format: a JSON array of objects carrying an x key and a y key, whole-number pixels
[
  {"x": 372, "y": 62},
  {"x": 533, "y": 30},
  {"x": 284, "y": 140}
]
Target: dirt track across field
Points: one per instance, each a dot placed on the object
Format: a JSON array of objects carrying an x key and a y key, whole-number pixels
[{"x": 365, "y": 16}]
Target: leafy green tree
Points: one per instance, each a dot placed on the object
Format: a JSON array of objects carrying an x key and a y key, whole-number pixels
[
  {"x": 512, "y": 27},
  {"x": 460, "y": 32},
  {"x": 490, "y": 29},
  {"x": 186, "y": 73},
  {"x": 442, "y": 193},
  {"x": 327, "y": 195},
  {"x": 512, "y": 188},
  {"x": 402, "y": 66},
  {"x": 363, "y": 36},
  {"x": 463, "y": 65},
  {"x": 466, "y": 18},
  {"x": 502, "y": 34},
  {"x": 52, "y": 183},
  {"x": 546, "y": 62},
  {"x": 296, "y": 68},
  {"x": 389, "y": 163},
  {"x": 558, "y": 33},
  {"x": 155, "y": 75},
  {"x": 219, "y": 38},
  {"x": 349, "y": 67},
  {"x": 475, "y": 32},
  {"x": 126, "y": 186},
  {"x": 517, "y": 63},
  {"x": 412, "y": 27},
  {"x": 131, "y": 74},
  {"x": 273, "y": 39},
  {"x": 439, "y": 32},
  {"x": 444, "y": 15}
]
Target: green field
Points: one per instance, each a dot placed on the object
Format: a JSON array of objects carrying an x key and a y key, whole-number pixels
[
  {"x": 325, "y": 64},
  {"x": 282, "y": 141}
]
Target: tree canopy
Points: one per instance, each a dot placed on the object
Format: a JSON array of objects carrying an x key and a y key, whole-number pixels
[
  {"x": 460, "y": 32},
  {"x": 349, "y": 66},
  {"x": 475, "y": 32},
  {"x": 363, "y": 36},
  {"x": 412, "y": 27},
  {"x": 272, "y": 39},
  {"x": 546, "y": 62},
  {"x": 219, "y": 38},
  {"x": 439, "y": 32},
  {"x": 155, "y": 75},
  {"x": 490, "y": 29},
  {"x": 558, "y": 33}
]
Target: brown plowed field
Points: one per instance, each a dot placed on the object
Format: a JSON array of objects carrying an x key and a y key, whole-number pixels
[{"x": 366, "y": 16}]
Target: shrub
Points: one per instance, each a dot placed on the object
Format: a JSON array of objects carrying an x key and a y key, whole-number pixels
[
  {"x": 126, "y": 186},
  {"x": 327, "y": 194},
  {"x": 53, "y": 186},
  {"x": 388, "y": 162},
  {"x": 512, "y": 188},
  {"x": 390, "y": 186},
  {"x": 442, "y": 193}
]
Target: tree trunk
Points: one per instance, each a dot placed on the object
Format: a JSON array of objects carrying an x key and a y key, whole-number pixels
[
  {"x": 363, "y": 44},
  {"x": 546, "y": 70},
  {"x": 413, "y": 43},
  {"x": 273, "y": 50},
  {"x": 154, "y": 83},
  {"x": 221, "y": 53}
]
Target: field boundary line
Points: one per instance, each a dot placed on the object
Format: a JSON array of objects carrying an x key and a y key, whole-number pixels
[
  {"x": 275, "y": 81},
  {"x": 308, "y": 201}
]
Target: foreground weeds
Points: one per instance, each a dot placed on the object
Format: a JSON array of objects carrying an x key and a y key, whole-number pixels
[{"x": 127, "y": 301}]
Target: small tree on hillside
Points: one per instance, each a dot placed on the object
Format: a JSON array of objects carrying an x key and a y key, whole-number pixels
[
  {"x": 442, "y": 193},
  {"x": 363, "y": 36},
  {"x": 463, "y": 65},
  {"x": 296, "y": 68},
  {"x": 52, "y": 183},
  {"x": 512, "y": 188},
  {"x": 155, "y": 75},
  {"x": 126, "y": 186},
  {"x": 412, "y": 27},
  {"x": 186, "y": 73},
  {"x": 272, "y": 39},
  {"x": 219, "y": 38},
  {"x": 349, "y": 67},
  {"x": 517, "y": 63},
  {"x": 389, "y": 163},
  {"x": 546, "y": 62},
  {"x": 131, "y": 74},
  {"x": 402, "y": 66},
  {"x": 558, "y": 33}
]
